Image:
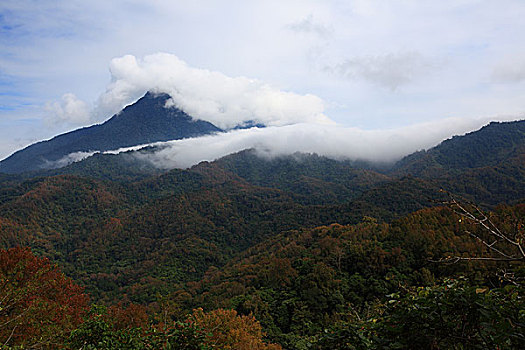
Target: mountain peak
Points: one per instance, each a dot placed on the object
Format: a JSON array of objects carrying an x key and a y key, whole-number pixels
[{"x": 145, "y": 121}]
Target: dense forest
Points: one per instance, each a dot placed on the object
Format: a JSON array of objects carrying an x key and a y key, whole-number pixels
[{"x": 295, "y": 252}]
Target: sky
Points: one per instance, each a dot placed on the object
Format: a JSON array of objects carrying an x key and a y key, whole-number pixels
[{"x": 412, "y": 72}]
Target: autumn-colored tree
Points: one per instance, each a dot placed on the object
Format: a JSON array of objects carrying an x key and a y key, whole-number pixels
[
  {"x": 130, "y": 316},
  {"x": 228, "y": 330},
  {"x": 39, "y": 305}
]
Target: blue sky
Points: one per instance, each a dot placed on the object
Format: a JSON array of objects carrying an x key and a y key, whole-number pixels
[{"x": 375, "y": 65}]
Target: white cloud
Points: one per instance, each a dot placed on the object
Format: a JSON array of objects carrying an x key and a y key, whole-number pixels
[
  {"x": 70, "y": 110},
  {"x": 212, "y": 96}
]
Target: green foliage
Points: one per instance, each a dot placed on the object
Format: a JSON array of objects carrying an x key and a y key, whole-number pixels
[
  {"x": 315, "y": 179},
  {"x": 486, "y": 166},
  {"x": 489, "y": 146},
  {"x": 301, "y": 282},
  {"x": 451, "y": 315},
  {"x": 98, "y": 332}
]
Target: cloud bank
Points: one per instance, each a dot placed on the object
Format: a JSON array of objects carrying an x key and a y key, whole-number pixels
[
  {"x": 331, "y": 141},
  {"x": 207, "y": 95}
]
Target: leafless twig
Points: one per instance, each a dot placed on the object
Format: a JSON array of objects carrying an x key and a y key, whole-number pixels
[
  {"x": 495, "y": 236},
  {"x": 500, "y": 246}
]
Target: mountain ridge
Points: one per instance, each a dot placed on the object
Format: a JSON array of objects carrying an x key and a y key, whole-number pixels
[
  {"x": 489, "y": 146},
  {"x": 145, "y": 121}
]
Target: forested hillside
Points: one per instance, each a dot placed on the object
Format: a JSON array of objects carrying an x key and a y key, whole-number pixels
[
  {"x": 491, "y": 146},
  {"x": 298, "y": 252}
]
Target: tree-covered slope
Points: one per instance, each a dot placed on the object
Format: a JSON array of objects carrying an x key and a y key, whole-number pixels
[
  {"x": 298, "y": 283},
  {"x": 320, "y": 179},
  {"x": 139, "y": 238},
  {"x": 168, "y": 228},
  {"x": 123, "y": 227},
  {"x": 492, "y": 145}
]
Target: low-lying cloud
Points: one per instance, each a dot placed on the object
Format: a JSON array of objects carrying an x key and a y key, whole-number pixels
[
  {"x": 331, "y": 141},
  {"x": 339, "y": 143},
  {"x": 68, "y": 159}
]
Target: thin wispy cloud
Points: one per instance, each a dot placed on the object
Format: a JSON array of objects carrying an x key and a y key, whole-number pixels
[
  {"x": 390, "y": 71},
  {"x": 511, "y": 69},
  {"x": 69, "y": 110},
  {"x": 309, "y": 25}
]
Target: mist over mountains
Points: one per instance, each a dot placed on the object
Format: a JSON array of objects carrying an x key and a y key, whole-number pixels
[
  {"x": 189, "y": 115},
  {"x": 176, "y": 139},
  {"x": 325, "y": 163}
]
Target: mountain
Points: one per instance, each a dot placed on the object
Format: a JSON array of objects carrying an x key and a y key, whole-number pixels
[
  {"x": 145, "y": 121},
  {"x": 486, "y": 166},
  {"x": 492, "y": 145}
]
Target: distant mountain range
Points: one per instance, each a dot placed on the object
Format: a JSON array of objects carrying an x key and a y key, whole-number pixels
[{"x": 145, "y": 121}]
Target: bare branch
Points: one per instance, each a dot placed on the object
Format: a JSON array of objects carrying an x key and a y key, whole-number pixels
[
  {"x": 10, "y": 336},
  {"x": 455, "y": 259},
  {"x": 491, "y": 246},
  {"x": 476, "y": 216}
]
